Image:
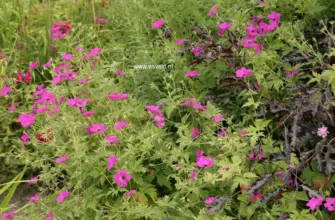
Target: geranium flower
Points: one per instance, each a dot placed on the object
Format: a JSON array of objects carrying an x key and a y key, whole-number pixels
[
  {"x": 118, "y": 96},
  {"x": 48, "y": 64},
  {"x": 78, "y": 103},
  {"x": 34, "y": 65},
  {"x": 197, "y": 50},
  {"x": 274, "y": 17},
  {"x": 210, "y": 200},
  {"x": 100, "y": 20},
  {"x": 62, "y": 196},
  {"x": 122, "y": 178},
  {"x": 223, "y": 27},
  {"x": 34, "y": 198},
  {"x": 62, "y": 159},
  {"x": 119, "y": 72},
  {"x": 25, "y": 138},
  {"x": 243, "y": 72},
  {"x": 258, "y": 48},
  {"x": 222, "y": 133},
  {"x": 249, "y": 42},
  {"x": 129, "y": 193},
  {"x": 256, "y": 196},
  {"x": 96, "y": 128},
  {"x": 252, "y": 30},
  {"x": 84, "y": 81},
  {"x": 88, "y": 113},
  {"x": 112, "y": 139},
  {"x": 157, "y": 24},
  {"x": 218, "y": 118},
  {"x": 314, "y": 203},
  {"x": 213, "y": 11},
  {"x": 33, "y": 180},
  {"x": 323, "y": 131},
  {"x": 67, "y": 56},
  {"x": 12, "y": 107},
  {"x": 263, "y": 28},
  {"x": 60, "y": 30},
  {"x": 9, "y": 215},
  {"x": 112, "y": 161},
  {"x": 193, "y": 174},
  {"x": 182, "y": 41},
  {"x": 199, "y": 153},
  {"x": 50, "y": 216},
  {"x": 195, "y": 132},
  {"x": 257, "y": 19},
  {"x": 330, "y": 204},
  {"x": 79, "y": 48},
  {"x": 27, "y": 120},
  {"x": 120, "y": 124},
  {"x": 24, "y": 77},
  {"x": 5, "y": 90},
  {"x": 192, "y": 74},
  {"x": 205, "y": 162}
]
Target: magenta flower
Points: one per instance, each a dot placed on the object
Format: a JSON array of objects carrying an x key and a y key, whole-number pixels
[
  {"x": 67, "y": 56},
  {"x": 157, "y": 24},
  {"x": 256, "y": 196},
  {"x": 5, "y": 90},
  {"x": 260, "y": 155},
  {"x": 34, "y": 198},
  {"x": 94, "y": 52},
  {"x": 33, "y": 180},
  {"x": 323, "y": 131},
  {"x": 118, "y": 96},
  {"x": 9, "y": 215},
  {"x": 205, "y": 162},
  {"x": 251, "y": 156},
  {"x": 119, "y": 72},
  {"x": 182, "y": 41},
  {"x": 62, "y": 196},
  {"x": 217, "y": 118},
  {"x": 210, "y": 200},
  {"x": 192, "y": 74},
  {"x": 34, "y": 65},
  {"x": 199, "y": 153},
  {"x": 195, "y": 132},
  {"x": 314, "y": 203},
  {"x": 122, "y": 178},
  {"x": 12, "y": 107},
  {"x": 112, "y": 161},
  {"x": 222, "y": 133},
  {"x": 249, "y": 42},
  {"x": 274, "y": 17},
  {"x": 96, "y": 128},
  {"x": 193, "y": 174},
  {"x": 223, "y": 27},
  {"x": 213, "y": 11},
  {"x": 60, "y": 30},
  {"x": 25, "y": 139},
  {"x": 153, "y": 109},
  {"x": 78, "y": 103},
  {"x": 120, "y": 124},
  {"x": 257, "y": 19},
  {"x": 243, "y": 72},
  {"x": 330, "y": 204},
  {"x": 112, "y": 139},
  {"x": 48, "y": 64},
  {"x": 79, "y": 48},
  {"x": 100, "y": 20},
  {"x": 84, "y": 81},
  {"x": 62, "y": 159},
  {"x": 129, "y": 193},
  {"x": 258, "y": 48},
  {"x": 252, "y": 30},
  {"x": 263, "y": 28},
  {"x": 50, "y": 216},
  {"x": 27, "y": 120},
  {"x": 23, "y": 77},
  {"x": 88, "y": 113},
  {"x": 197, "y": 50}
]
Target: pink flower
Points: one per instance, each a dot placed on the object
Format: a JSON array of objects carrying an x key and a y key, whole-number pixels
[
  {"x": 243, "y": 72},
  {"x": 205, "y": 162},
  {"x": 48, "y": 64},
  {"x": 223, "y": 27},
  {"x": 122, "y": 178},
  {"x": 274, "y": 17},
  {"x": 330, "y": 204},
  {"x": 249, "y": 42},
  {"x": 94, "y": 52},
  {"x": 9, "y": 215},
  {"x": 197, "y": 50},
  {"x": 62, "y": 159},
  {"x": 96, "y": 128},
  {"x": 67, "y": 56},
  {"x": 129, "y": 193},
  {"x": 314, "y": 203},
  {"x": 50, "y": 216},
  {"x": 78, "y": 103},
  {"x": 79, "y": 48},
  {"x": 119, "y": 72},
  {"x": 158, "y": 24},
  {"x": 193, "y": 174},
  {"x": 100, "y": 20},
  {"x": 112, "y": 139},
  {"x": 222, "y": 133},
  {"x": 62, "y": 196},
  {"x": 153, "y": 109},
  {"x": 12, "y": 107},
  {"x": 34, "y": 198},
  {"x": 120, "y": 124},
  {"x": 199, "y": 153},
  {"x": 182, "y": 41},
  {"x": 27, "y": 120},
  {"x": 195, "y": 132},
  {"x": 256, "y": 196},
  {"x": 192, "y": 74},
  {"x": 213, "y": 11},
  {"x": 24, "y": 77},
  {"x": 257, "y": 19},
  {"x": 57, "y": 79},
  {"x": 260, "y": 155},
  {"x": 252, "y": 30},
  {"x": 5, "y": 90},
  {"x": 112, "y": 161},
  {"x": 25, "y": 139},
  {"x": 34, "y": 65},
  {"x": 88, "y": 113},
  {"x": 263, "y": 28},
  {"x": 84, "y": 81},
  {"x": 258, "y": 49},
  {"x": 251, "y": 156},
  {"x": 33, "y": 180},
  {"x": 210, "y": 200},
  {"x": 118, "y": 96},
  {"x": 59, "y": 30},
  {"x": 323, "y": 131},
  {"x": 217, "y": 118}
]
